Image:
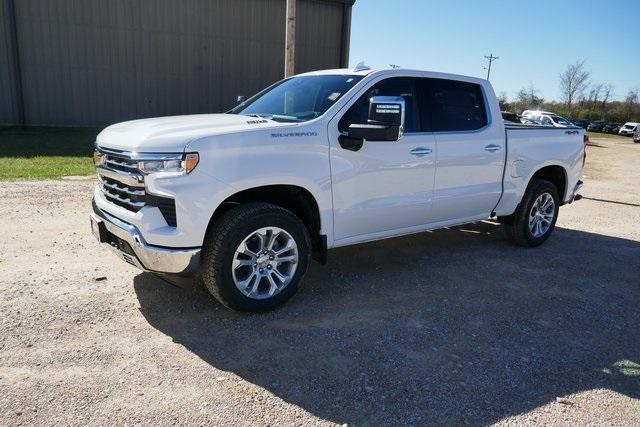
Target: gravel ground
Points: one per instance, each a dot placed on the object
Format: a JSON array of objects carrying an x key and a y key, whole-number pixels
[{"x": 454, "y": 326}]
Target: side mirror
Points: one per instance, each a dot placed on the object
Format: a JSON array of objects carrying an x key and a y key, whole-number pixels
[
  {"x": 240, "y": 99},
  {"x": 385, "y": 121}
]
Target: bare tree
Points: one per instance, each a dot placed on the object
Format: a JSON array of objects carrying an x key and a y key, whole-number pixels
[
  {"x": 631, "y": 101},
  {"x": 573, "y": 82},
  {"x": 594, "y": 94},
  {"x": 607, "y": 94}
]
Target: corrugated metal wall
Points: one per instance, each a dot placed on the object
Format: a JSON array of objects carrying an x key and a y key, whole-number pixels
[
  {"x": 94, "y": 62},
  {"x": 8, "y": 86}
]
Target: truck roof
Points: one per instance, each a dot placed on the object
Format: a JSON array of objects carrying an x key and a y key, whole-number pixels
[{"x": 391, "y": 71}]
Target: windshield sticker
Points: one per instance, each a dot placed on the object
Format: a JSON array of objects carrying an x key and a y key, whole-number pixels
[{"x": 289, "y": 134}]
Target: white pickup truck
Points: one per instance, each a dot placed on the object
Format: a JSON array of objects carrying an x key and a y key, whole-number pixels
[{"x": 322, "y": 160}]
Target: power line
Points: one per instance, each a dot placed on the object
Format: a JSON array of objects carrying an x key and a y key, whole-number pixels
[{"x": 491, "y": 58}]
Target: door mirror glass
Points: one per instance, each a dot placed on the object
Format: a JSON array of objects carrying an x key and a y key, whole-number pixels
[{"x": 385, "y": 121}]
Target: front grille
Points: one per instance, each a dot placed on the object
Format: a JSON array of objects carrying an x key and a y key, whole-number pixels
[
  {"x": 122, "y": 184},
  {"x": 121, "y": 194}
]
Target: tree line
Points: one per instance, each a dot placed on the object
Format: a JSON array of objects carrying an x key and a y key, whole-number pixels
[{"x": 579, "y": 99}]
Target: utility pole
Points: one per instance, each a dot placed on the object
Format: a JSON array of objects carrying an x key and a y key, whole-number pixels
[
  {"x": 290, "y": 39},
  {"x": 491, "y": 58}
]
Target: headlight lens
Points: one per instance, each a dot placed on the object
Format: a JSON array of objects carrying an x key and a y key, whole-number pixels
[{"x": 185, "y": 165}]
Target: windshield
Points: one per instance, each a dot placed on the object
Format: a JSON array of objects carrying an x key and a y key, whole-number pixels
[
  {"x": 561, "y": 120},
  {"x": 298, "y": 99}
]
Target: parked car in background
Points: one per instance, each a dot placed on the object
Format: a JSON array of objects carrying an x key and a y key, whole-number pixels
[
  {"x": 551, "y": 119},
  {"x": 583, "y": 123},
  {"x": 628, "y": 129},
  {"x": 611, "y": 127},
  {"x": 508, "y": 116},
  {"x": 596, "y": 126},
  {"x": 528, "y": 113},
  {"x": 636, "y": 135},
  {"x": 530, "y": 121}
]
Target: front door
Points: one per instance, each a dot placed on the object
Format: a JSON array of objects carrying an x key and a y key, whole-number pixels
[{"x": 383, "y": 187}]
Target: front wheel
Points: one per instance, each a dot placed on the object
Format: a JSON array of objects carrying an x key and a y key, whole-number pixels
[
  {"x": 254, "y": 257},
  {"x": 536, "y": 216}
]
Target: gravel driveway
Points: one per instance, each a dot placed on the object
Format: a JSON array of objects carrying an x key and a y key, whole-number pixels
[{"x": 454, "y": 326}]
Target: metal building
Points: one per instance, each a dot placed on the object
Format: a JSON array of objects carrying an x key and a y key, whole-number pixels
[{"x": 95, "y": 62}]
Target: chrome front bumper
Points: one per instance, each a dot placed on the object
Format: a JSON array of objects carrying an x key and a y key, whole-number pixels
[{"x": 127, "y": 242}]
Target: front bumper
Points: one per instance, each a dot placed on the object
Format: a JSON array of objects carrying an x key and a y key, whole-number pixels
[{"x": 127, "y": 242}]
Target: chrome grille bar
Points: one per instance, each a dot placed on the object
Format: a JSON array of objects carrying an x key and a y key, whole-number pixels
[
  {"x": 120, "y": 180},
  {"x": 124, "y": 188}
]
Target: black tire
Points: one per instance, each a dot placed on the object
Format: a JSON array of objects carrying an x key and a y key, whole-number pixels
[
  {"x": 517, "y": 225},
  {"x": 226, "y": 235}
]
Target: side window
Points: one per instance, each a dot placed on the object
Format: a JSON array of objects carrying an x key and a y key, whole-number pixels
[
  {"x": 451, "y": 105},
  {"x": 397, "y": 86}
]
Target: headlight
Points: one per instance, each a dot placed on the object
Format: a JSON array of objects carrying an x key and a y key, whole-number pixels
[
  {"x": 182, "y": 164},
  {"x": 98, "y": 158}
]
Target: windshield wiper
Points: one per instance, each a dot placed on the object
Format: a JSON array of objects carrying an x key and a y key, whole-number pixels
[{"x": 260, "y": 116}]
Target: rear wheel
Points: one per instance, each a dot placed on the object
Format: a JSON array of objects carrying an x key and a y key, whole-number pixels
[
  {"x": 536, "y": 216},
  {"x": 254, "y": 257}
]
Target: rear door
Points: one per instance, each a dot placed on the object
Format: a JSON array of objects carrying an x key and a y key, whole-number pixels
[{"x": 470, "y": 150}]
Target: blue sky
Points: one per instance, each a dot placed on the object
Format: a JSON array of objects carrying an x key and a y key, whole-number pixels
[{"x": 535, "y": 41}]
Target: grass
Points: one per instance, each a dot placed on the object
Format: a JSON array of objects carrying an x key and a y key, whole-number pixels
[
  {"x": 599, "y": 135},
  {"x": 45, "y": 152}
]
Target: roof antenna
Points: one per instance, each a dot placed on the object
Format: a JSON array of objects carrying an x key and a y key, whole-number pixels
[{"x": 361, "y": 67}]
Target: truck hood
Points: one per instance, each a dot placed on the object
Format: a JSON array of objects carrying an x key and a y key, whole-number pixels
[{"x": 172, "y": 134}]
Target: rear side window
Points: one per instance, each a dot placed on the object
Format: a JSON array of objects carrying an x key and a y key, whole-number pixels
[{"x": 449, "y": 106}]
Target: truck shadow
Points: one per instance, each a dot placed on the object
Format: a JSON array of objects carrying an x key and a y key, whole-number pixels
[{"x": 453, "y": 326}]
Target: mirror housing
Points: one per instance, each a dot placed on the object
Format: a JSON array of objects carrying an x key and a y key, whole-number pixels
[{"x": 385, "y": 121}]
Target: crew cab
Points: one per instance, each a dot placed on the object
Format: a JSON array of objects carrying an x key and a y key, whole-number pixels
[{"x": 321, "y": 160}]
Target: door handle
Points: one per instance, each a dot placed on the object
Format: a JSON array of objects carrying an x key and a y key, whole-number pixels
[
  {"x": 420, "y": 151},
  {"x": 492, "y": 147}
]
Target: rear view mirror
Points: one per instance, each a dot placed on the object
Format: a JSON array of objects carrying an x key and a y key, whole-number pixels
[
  {"x": 386, "y": 110},
  {"x": 385, "y": 121},
  {"x": 240, "y": 99}
]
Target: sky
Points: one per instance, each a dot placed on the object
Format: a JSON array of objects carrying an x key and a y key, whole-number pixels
[{"x": 535, "y": 41}]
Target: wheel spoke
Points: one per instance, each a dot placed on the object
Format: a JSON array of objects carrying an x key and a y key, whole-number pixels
[
  {"x": 246, "y": 251},
  {"x": 272, "y": 239},
  {"x": 289, "y": 258},
  {"x": 254, "y": 287},
  {"x": 244, "y": 284},
  {"x": 243, "y": 262},
  {"x": 288, "y": 246},
  {"x": 273, "y": 286},
  {"x": 263, "y": 241}
]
